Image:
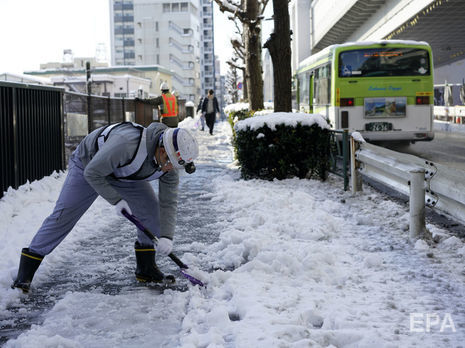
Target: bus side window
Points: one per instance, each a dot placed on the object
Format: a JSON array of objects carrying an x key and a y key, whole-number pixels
[
  {"x": 295, "y": 93},
  {"x": 303, "y": 91},
  {"x": 311, "y": 91},
  {"x": 322, "y": 85}
]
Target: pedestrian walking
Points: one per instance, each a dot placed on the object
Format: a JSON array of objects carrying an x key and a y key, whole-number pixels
[
  {"x": 167, "y": 103},
  {"x": 202, "y": 116},
  {"x": 209, "y": 109},
  {"x": 117, "y": 162}
]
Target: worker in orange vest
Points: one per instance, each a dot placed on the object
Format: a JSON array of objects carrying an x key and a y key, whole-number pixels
[{"x": 167, "y": 104}]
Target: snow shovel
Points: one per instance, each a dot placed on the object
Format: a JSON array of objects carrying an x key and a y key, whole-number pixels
[{"x": 183, "y": 267}]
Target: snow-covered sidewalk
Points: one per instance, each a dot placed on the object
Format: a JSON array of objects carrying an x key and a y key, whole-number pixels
[{"x": 292, "y": 263}]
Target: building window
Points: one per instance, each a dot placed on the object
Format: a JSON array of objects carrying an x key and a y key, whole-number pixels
[
  {"x": 184, "y": 7},
  {"x": 158, "y": 59},
  {"x": 157, "y": 42},
  {"x": 175, "y": 7},
  {"x": 156, "y": 26},
  {"x": 166, "y": 7}
]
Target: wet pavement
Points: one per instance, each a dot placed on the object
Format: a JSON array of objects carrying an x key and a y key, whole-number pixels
[{"x": 105, "y": 263}]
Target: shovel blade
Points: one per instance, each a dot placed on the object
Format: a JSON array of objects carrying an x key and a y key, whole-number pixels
[{"x": 192, "y": 279}]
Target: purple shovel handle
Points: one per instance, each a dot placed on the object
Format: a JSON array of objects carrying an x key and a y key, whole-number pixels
[{"x": 173, "y": 257}]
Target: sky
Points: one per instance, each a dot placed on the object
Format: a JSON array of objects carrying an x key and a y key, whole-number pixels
[
  {"x": 35, "y": 32},
  {"x": 290, "y": 263}
]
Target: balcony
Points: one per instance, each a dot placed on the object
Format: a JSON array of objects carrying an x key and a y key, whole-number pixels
[
  {"x": 122, "y": 19},
  {"x": 124, "y": 31},
  {"x": 181, "y": 31},
  {"x": 181, "y": 47}
]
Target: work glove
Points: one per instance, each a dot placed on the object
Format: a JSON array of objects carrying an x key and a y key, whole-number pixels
[
  {"x": 122, "y": 204},
  {"x": 164, "y": 246}
]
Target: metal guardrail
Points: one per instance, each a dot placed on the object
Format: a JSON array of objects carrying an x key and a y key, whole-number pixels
[{"x": 440, "y": 187}]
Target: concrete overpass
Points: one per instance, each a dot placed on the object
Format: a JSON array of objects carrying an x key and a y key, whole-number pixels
[{"x": 317, "y": 24}]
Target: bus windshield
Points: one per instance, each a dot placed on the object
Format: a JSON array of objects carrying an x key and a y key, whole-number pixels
[{"x": 385, "y": 61}]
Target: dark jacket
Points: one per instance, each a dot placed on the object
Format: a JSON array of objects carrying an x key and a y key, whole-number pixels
[
  {"x": 199, "y": 107},
  {"x": 215, "y": 105}
]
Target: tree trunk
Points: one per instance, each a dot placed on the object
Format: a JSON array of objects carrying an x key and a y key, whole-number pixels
[
  {"x": 279, "y": 46},
  {"x": 253, "y": 52},
  {"x": 245, "y": 90}
]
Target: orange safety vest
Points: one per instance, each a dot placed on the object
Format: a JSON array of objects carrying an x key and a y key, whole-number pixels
[{"x": 170, "y": 105}]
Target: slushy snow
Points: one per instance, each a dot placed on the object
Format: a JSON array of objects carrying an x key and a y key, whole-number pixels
[{"x": 297, "y": 263}]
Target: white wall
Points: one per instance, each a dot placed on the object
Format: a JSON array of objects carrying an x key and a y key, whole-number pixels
[
  {"x": 299, "y": 12},
  {"x": 325, "y": 14},
  {"x": 268, "y": 89}
]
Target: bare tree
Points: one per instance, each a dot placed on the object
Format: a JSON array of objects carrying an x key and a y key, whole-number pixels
[
  {"x": 279, "y": 46},
  {"x": 239, "y": 55},
  {"x": 250, "y": 14},
  {"x": 232, "y": 79}
]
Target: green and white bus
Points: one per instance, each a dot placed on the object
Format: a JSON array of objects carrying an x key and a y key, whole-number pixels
[{"x": 382, "y": 89}]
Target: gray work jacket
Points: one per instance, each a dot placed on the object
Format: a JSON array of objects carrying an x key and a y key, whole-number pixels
[{"x": 118, "y": 150}]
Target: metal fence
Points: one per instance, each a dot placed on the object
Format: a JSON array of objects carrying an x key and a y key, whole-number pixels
[
  {"x": 31, "y": 130},
  {"x": 339, "y": 155}
]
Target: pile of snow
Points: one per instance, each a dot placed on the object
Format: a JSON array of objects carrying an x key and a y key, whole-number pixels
[
  {"x": 288, "y": 119},
  {"x": 246, "y": 107},
  {"x": 298, "y": 263}
]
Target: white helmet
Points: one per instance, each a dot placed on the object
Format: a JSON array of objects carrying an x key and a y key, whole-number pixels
[
  {"x": 182, "y": 148},
  {"x": 164, "y": 86}
]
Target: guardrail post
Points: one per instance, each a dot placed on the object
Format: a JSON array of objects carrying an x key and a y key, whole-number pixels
[
  {"x": 417, "y": 204},
  {"x": 355, "y": 176}
]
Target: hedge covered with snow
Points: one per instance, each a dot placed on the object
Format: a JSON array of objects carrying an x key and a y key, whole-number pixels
[{"x": 283, "y": 145}]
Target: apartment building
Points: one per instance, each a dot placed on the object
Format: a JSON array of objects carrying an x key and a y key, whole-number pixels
[
  {"x": 207, "y": 48},
  {"x": 176, "y": 34}
]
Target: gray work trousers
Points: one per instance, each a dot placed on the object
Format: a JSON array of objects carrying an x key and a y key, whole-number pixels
[{"x": 77, "y": 196}]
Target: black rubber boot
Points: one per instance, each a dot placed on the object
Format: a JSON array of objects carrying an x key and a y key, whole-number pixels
[
  {"x": 28, "y": 265},
  {"x": 147, "y": 270}
]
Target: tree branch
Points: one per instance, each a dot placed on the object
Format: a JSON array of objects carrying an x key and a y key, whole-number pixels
[
  {"x": 264, "y": 3},
  {"x": 229, "y": 6},
  {"x": 231, "y": 64}
]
